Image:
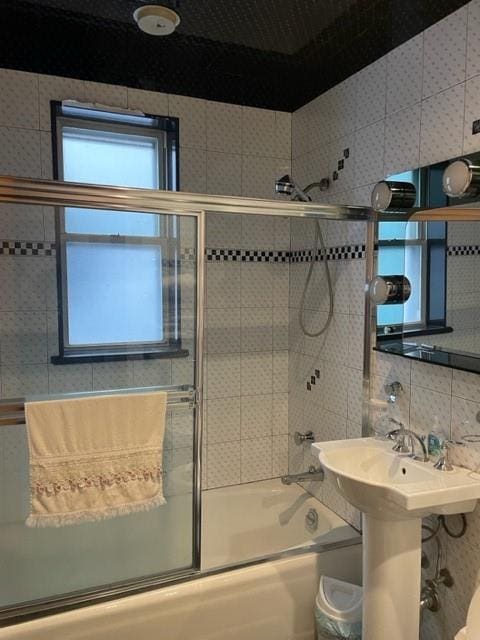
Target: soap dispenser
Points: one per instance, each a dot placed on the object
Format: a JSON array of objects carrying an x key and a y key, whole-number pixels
[{"x": 435, "y": 439}]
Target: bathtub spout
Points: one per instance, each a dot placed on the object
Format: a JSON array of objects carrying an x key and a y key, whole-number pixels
[{"x": 313, "y": 473}]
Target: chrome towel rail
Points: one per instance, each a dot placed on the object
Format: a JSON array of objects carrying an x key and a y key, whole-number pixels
[{"x": 12, "y": 412}]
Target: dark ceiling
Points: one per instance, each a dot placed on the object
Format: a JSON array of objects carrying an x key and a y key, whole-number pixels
[{"x": 276, "y": 54}]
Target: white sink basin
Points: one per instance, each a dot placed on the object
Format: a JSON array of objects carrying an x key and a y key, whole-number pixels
[
  {"x": 386, "y": 485},
  {"x": 394, "y": 493}
]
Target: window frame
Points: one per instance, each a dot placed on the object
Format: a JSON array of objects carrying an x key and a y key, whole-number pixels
[{"x": 165, "y": 129}]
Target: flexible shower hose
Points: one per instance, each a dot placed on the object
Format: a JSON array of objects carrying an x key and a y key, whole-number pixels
[{"x": 319, "y": 243}]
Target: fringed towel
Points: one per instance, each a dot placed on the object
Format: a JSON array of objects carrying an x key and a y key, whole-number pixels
[{"x": 93, "y": 458}]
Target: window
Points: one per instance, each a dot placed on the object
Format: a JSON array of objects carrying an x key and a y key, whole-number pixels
[
  {"x": 418, "y": 251},
  {"x": 117, "y": 271}
]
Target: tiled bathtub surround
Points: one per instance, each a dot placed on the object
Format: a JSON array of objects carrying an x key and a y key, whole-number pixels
[
  {"x": 413, "y": 107},
  {"x": 224, "y": 149}
]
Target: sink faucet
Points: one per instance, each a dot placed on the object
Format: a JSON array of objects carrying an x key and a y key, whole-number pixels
[
  {"x": 405, "y": 441},
  {"x": 313, "y": 473}
]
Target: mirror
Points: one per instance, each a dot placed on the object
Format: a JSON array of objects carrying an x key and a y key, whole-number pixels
[{"x": 427, "y": 289}]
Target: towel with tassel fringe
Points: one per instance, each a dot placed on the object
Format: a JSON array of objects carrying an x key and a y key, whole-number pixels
[{"x": 95, "y": 457}]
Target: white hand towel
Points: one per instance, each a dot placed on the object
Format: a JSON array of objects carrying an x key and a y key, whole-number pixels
[{"x": 95, "y": 457}]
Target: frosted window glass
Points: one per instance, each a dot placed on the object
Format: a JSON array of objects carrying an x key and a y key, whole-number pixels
[
  {"x": 109, "y": 158},
  {"x": 105, "y": 157},
  {"x": 108, "y": 223},
  {"x": 125, "y": 305}
]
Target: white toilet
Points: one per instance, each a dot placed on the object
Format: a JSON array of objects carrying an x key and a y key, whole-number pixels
[{"x": 472, "y": 630}]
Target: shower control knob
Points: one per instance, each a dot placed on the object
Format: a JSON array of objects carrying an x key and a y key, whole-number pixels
[
  {"x": 389, "y": 289},
  {"x": 392, "y": 195},
  {"x": 300, "y": 438},
  {"x": 461, "y": 179}
]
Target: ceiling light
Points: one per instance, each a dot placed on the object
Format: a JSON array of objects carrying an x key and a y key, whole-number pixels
[{"x": 156, "y": 20}]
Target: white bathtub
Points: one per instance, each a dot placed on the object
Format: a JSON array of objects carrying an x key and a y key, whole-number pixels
[
  {"x": 253, "y": 520},
  {"x": 272, "y": 600}
]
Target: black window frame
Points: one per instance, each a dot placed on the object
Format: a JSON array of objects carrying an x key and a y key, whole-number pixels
[{"x": 167, "y": 129}]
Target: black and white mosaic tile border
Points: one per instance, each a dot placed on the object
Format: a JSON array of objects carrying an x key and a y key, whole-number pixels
[
  {"x": 346, "y": 252},
  {"x": 463, "y": 250},
  {"x": 246, "y": 255},
  {"x": 24, "y": 248}
]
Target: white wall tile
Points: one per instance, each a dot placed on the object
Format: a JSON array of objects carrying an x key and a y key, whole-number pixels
[
  {"x": 280, "y": 413},
  {"x": 22, "y": 283},
  {"x": 300, "y": 122},
  {"x": 23, "y": 337},
  {"x": 369, "y": 159},
  {"x": 283, "y": 135},
  {"x": 152, "y": 373},
  {"x": 257, "y": 284},
  {"x": 222, "y": 330},
  {"x": 57, "y": 88},
  {"x": 224, "y": 231},
  {"x": 112, "y": 375},
  {"x": 441, "y": 134},
  {"x": 258, "y": 132},
  {"x": 111, "y": 95},
  {"x": 445, "y": 53},
  {"x": 21, "y": 222},
  {"x": 402, "y": 140},
  {"x": 256, "y": 414},
  {"x": 256, "y": 459},
  {"x": 256, "y": 329},
  {"x": 473, "y": 39},
  {"x": 279, "y": 455},
  {"x": 193, "y": 122},
  {"x": 404, "y": 74},
  {"x": 343, "y": 107},
  {"x": 152, "y": 103},
  {"x": 223, "y": 420},
  {"x": 193, "y": 170},
  {"x": 223, "y": 375},
  {"x": 259, "y": 175},
  {"x": 75, "y": 377},
  {"x": 471, "y": 142},
  {"x": 224, "y": 127},
  {"x": 256, "y": 373},
  {"x": 223, "y": 464},
  {"x": 434, "y": 378},
  {"x": 20, "y": 152},
  {"x": 223, "y": 285},
  {"x": 24, "y": 380},
  {"x": 19, "y": 99},
  {"x": 371, "y": 93},
  {"x": 224, "y": 173}
]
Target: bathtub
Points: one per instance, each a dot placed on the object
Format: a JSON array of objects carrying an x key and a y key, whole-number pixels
[
  {"x": 269, "y": 599},
  {"x": 258, "y": 519}
]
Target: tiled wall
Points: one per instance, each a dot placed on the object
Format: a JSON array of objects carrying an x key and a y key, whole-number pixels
[
  {"x": 413, "y": 107},
  {"x": 225, "y": 149}
]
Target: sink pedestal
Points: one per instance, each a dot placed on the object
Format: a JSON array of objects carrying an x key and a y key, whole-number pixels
[{"x": 391, "y": 578}]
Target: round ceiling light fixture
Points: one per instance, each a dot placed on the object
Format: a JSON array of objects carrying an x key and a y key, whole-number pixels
[{"x": 156, "y": 20}]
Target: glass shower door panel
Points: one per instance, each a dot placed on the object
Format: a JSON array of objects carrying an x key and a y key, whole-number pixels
[{"x": 90, "y": 312}]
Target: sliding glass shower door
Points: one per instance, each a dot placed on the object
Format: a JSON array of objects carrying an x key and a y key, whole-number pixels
[{"x": 97, "y": 302}]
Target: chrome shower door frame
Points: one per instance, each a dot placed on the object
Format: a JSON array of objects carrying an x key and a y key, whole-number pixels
[
  {"x": 43, "y": 192},
  {"x": 53, "y": 193}
]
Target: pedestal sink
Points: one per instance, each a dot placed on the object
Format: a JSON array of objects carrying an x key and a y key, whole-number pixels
[{"x": 394, "y": 493}]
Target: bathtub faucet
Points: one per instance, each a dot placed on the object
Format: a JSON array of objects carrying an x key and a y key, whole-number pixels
[{"x": 313, "y": 473}]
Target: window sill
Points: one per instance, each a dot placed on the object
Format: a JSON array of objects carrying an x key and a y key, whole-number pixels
[
  {"x": 427, "y": 331},
  {"x": 119, "y": 357}
]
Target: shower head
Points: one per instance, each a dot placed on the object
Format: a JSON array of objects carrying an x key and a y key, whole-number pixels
[
  {"x": 284, "y": 185},
  {"x": 287, "y": 186}
]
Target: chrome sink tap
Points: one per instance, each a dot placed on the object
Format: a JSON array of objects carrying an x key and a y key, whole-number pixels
[{"x": 405, "y": 442}]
